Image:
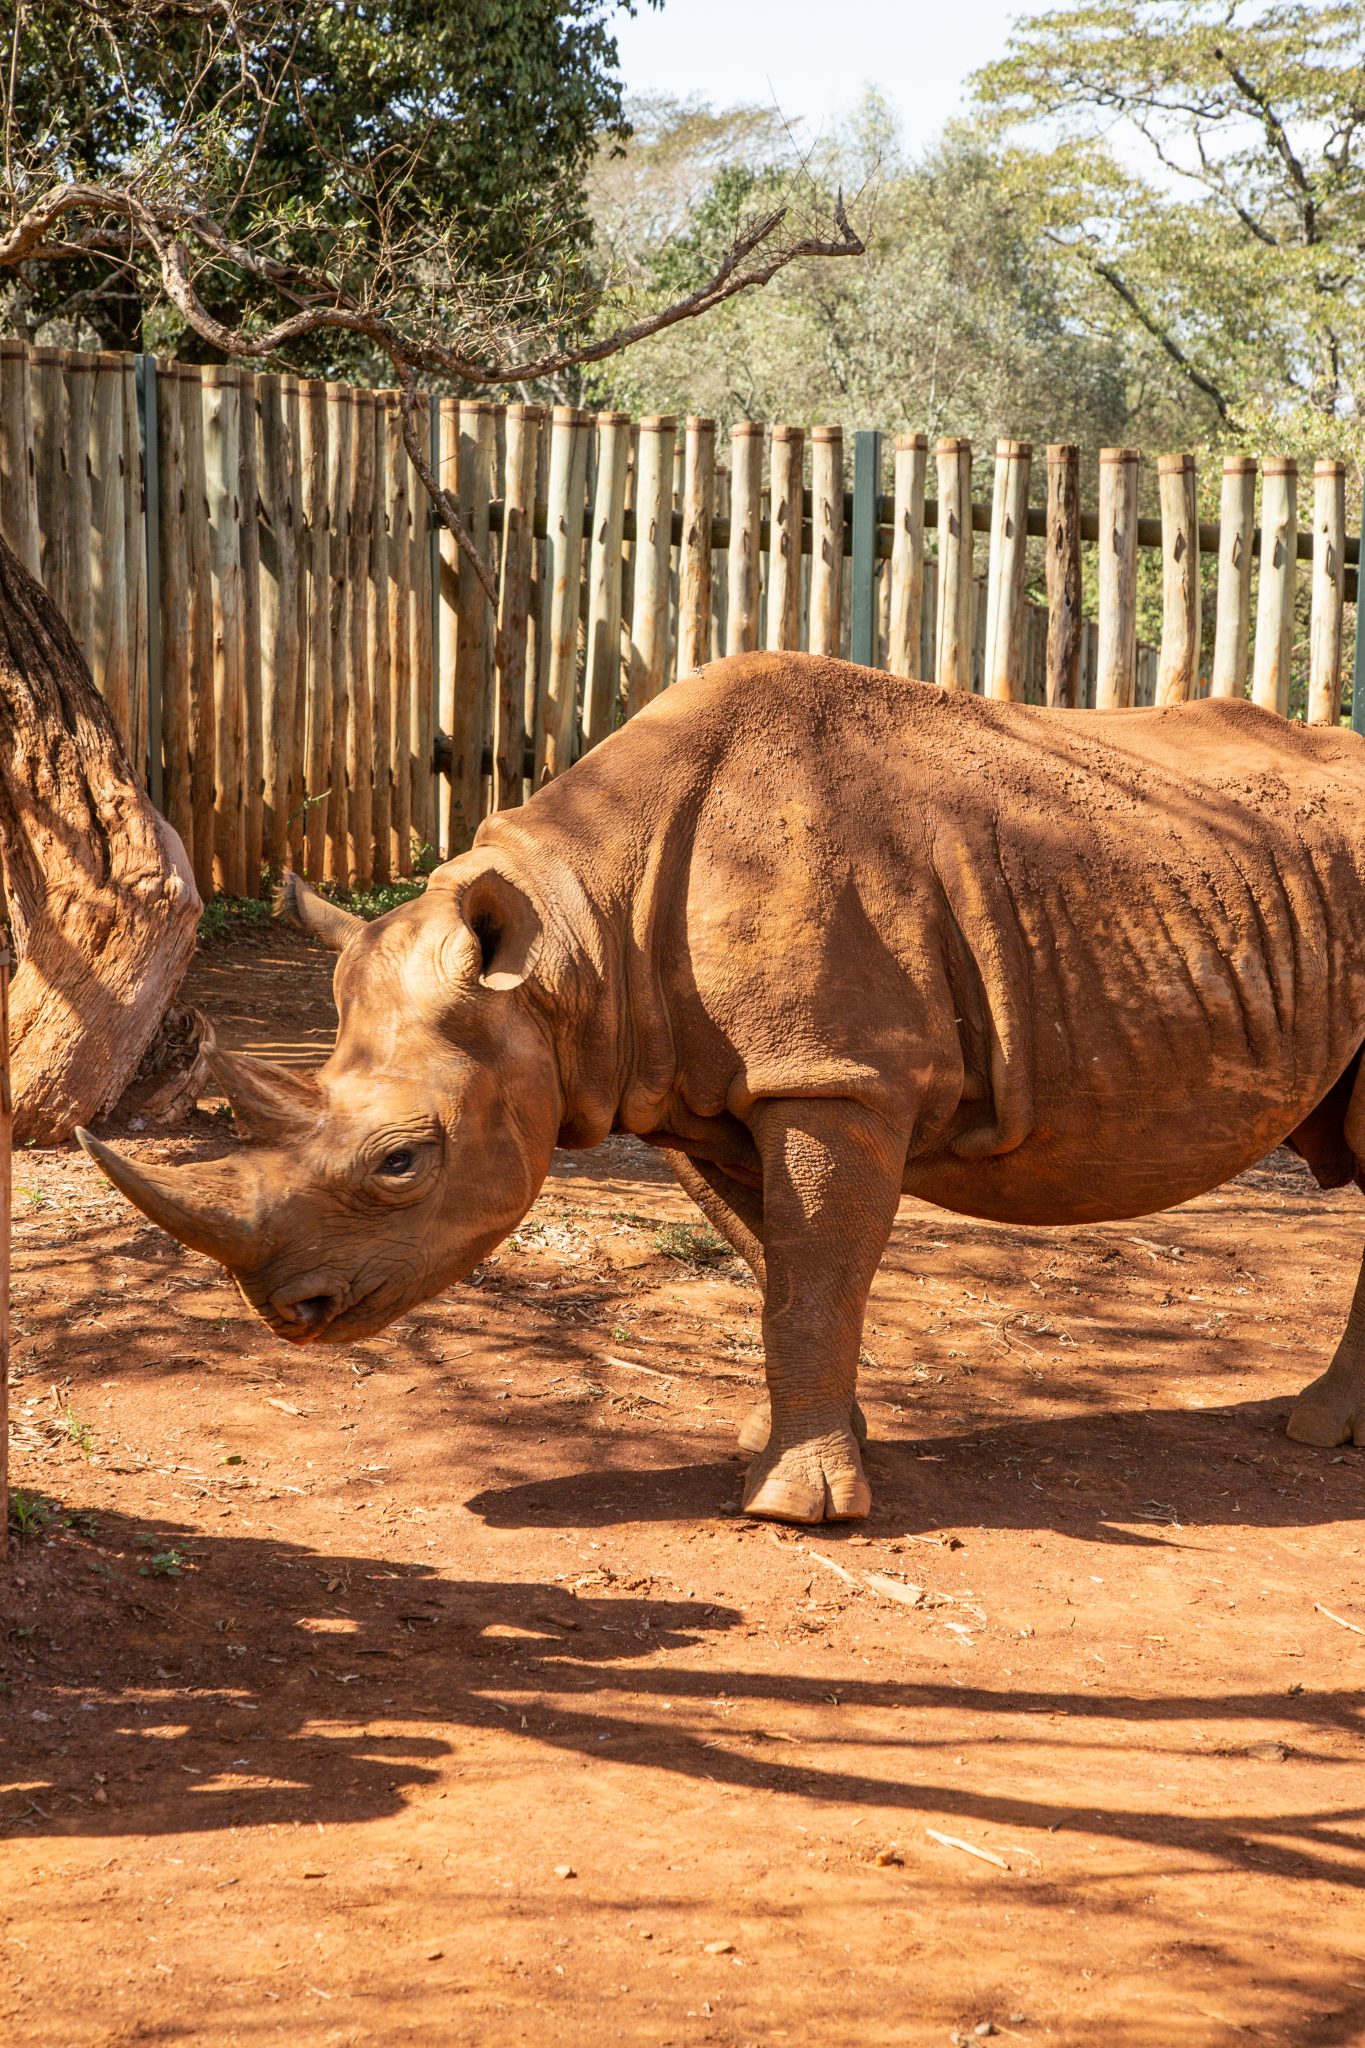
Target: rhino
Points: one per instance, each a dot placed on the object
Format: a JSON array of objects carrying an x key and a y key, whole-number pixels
[{"x": 825, "y": 938}]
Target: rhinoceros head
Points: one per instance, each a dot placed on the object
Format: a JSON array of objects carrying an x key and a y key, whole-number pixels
[{"x": 390, "y": 1173}]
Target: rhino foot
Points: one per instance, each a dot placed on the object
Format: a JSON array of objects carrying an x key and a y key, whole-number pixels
[
  {"x": 757, "y": 1426},
  {"x": 819, "y": 1480},
  {"x": 1329, "y": 1412}
]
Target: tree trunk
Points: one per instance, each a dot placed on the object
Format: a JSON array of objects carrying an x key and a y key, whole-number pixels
[{"x": 101, "y": 898}]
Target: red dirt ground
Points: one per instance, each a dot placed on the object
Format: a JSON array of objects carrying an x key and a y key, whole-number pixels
[{"x": 476, "y": 1715}]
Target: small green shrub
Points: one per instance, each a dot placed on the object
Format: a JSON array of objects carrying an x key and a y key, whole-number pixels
[{"x": 692, "y": 1245}]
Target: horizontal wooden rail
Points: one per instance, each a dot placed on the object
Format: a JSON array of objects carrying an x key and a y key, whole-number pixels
[{"x": 1148, "y": 530}]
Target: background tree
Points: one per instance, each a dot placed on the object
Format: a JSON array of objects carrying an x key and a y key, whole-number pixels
[{"x": 1201, "y": 162}]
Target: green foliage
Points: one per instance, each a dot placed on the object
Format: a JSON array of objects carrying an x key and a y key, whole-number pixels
[
  {"x": 78, "y": 1433},
  {"x": 1199, "y": 160},
  {"x": 362, "y": 135},
  {"x": 692, "y": 1245},
  {"x": 960, "y": 318}
]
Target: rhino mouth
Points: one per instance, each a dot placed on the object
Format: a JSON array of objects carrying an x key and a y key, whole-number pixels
[{"x": 327, "y": 1316}]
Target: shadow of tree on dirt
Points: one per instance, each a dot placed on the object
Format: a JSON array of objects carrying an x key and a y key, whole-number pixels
[{"x": 322, "y": 1713}]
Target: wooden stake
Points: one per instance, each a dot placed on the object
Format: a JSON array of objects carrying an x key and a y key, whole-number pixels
[
  {"x": 108, "y": 650},
  {"x": 1003, "y": 668},
  {"x": 904, "y": 655},
  {"x": 18, "y": 491},
  {"x": 694, "y": 583},
  {"x": 447, "y": 604},
  {"x": 359, "y": 755},
  {"x": 956, "y": 586},
  {"x": 135, "y": 545},
  {"x": 826, "y": 539},
  {"x": 379, "y": 654},
  {"x": 423, "y": 657},
  {"x": 221, "y": 387},
  {"x": 1329, "y": 592},
  {"x": 6, "y": 1231},
  {"x": 602, "y": 681},
  {"x": 278, "y": 548},
  {"x": 1116, "y": 652},
  {"x": 474, "y": 648},
  {"x": 174, "y": 600},
  {"x": 1271, "y": 668},
  {"x": 785, "y": 525},
  {"x": 340, "y": 561},
  {"x": 398, "y": 521},
  {"x": 315, "y": 411},
  {"x": 746, "y": 514},
  {"x": 1181, "y": 613},
  {"x": 653, "y": 556},
  {"x": 1065, "y": 624},
  {"x": 249, "y": 548},
  {"x": 557, "y": 707},
  {"x": 51, "y": 462},
  {"x": 78, "y": 513},
  {"x": 1236, "y": 534},
  {"x": 514, "y": 604}
]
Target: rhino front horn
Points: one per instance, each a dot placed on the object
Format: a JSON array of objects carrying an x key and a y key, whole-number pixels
[{"x": 203, "y": 1206}]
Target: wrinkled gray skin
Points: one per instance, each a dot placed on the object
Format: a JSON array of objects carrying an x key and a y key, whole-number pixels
[{"x": 826, "y": 938}]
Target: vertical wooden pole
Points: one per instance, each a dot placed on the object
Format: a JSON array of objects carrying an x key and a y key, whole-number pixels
[
  {"x": 200, "y": 656},
  {"x": 173, "y": 600},
  {"x": 826, "y": 538},
  {"x": 278, "y": 549},
  {"x": 398, "y": 522},
  {"x": 315, "y": 419},
  {"x": 1272, "y": 666},
  {"x": 602, "y": 680},
  {"x": 1003, "y": 674},
  {"x": 422, "y": 661},
  {"x": 340, "y": 557},
  {"x": 906, "y": 627},
  {"x": 294, "y": 403},
  {"x": 51, "y": 462},
  {"x": 746, "y": 516},
  {"x": 867, "y": 484},
  {"x": 139, "y": 479},
  {"x": 473, "y": 654},
  {"x": 785, "y": 523},
  {"x": 956, "y": 586},
  {"x": 1236, "y": 534},
  {"x": 379, "y": 650},
  {"x": 557, "y": 704},
  {"x": 514, "y": 604},
  {"x": 18, "y": 492},
  {"x": 360, "y": 600},
  {"x": 653, "y": 557},
  {"x": 447, "y": 431},
  {"x": 1065, "y": 625},
  {"x": 694, "y": 581},
  {"x": 249, "y": 550},
  {"x": 1329, "y": 592},
  {"x": 106, "y": 543},
  {"x": 78, "y": 372},
  {"x": 1116, "y": 653},
  {"x": 221, "y": 385},
  {"x": 1181, "y": 614}
]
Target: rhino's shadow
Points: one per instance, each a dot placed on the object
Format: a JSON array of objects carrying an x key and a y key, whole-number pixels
[{"x": 1130, "y": 1477}]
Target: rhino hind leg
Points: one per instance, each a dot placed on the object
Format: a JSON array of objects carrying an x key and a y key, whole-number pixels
[{"x": 1331, "y": 1410}]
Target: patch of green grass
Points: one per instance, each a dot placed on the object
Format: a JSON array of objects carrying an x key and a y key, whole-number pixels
[
  {"x": 30, "y": 1513},
  {"x": 692, "y": 1245},
  {"x": 223, "y": 916},
  {"x": 79, "y": 1433},
  {"x": 35, "y": 1197},
  {"x": 165, "y": 1564}
]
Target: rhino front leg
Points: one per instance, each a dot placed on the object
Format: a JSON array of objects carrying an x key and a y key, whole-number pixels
[
  {"x": 1332, "y": 1409},
  {"x": 831, "y": 1182}
]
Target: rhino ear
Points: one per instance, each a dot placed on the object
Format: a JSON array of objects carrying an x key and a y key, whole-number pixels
[
  {"x": 507, "y": 927},
  {"x": 272, "y": 1103}
]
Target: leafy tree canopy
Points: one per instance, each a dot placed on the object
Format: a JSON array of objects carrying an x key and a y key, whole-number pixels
[
  {"x": 360, "y": 126},
  {"x": 1202, "y": 161}
]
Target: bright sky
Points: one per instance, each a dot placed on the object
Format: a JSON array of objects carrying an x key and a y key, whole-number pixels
[{"x": 814, "y": 57}]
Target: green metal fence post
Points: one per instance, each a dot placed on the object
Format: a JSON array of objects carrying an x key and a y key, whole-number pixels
[{"x": 867, "y": 472}]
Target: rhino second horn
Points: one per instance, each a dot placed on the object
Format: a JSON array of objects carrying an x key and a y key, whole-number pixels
[
  {"x": 270, "y": 1101},
  {"x": 201, "y": 1205},
  {"x": 297, "y": 904}
]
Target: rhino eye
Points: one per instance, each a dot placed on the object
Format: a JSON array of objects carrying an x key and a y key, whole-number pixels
[{"x": 395, "y": 1164}]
